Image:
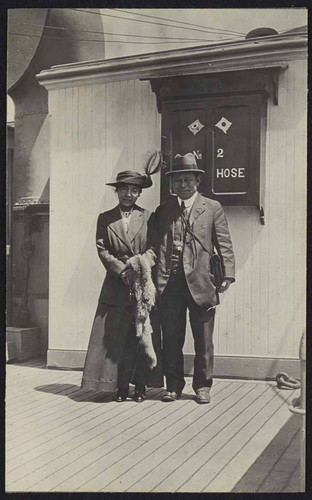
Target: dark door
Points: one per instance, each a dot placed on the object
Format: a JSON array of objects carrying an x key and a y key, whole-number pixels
[{"x": 224, "y": 135}]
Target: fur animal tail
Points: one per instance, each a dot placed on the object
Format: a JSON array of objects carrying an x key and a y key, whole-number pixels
[
  {"x": 145, "y": 293},
  {"x": 147, "y": 344}
]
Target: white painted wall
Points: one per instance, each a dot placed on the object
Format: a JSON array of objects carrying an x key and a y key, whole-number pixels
[
  {"x": 97, "y": 130},
  {"x": 263, "y": 313},
  {"x": 100, "y": 129}
]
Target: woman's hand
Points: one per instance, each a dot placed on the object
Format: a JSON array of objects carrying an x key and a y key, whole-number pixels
[{"x": 127, "y": 276}]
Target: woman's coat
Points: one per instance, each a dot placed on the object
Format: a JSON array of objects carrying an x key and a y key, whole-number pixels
[
  {"x": 115, "y": 247},
  {"x": 114, "y": 316}
]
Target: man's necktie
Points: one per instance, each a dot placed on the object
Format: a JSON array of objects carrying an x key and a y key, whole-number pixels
[{"x": 183, "y": 209}]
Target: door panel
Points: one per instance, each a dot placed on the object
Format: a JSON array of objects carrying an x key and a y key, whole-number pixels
[{"x": 224, "y": 135}]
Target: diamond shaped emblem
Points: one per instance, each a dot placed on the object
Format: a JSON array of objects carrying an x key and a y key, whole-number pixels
[
  {"x": 195, "y": 127},
  {"x": 223, "y": 124}
]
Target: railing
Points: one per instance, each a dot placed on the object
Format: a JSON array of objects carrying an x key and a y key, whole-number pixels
[{"x": 299, "y": 407}]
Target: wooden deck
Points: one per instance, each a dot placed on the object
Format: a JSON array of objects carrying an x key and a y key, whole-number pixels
[{"x": 62, "y": 439}]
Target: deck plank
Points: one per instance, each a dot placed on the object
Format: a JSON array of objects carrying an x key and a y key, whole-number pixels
[
  {"x": 63, "y": 439},
  {"x": 87, "y": 440},
  {"x": 293, "y": 483},
  {"x": 198, "y": 435},
  {"x": 280, "y": 454},
  {"x": 44, "y": 417},
  {"x": 252, "y": 446},
  {"x": 27, "y": 387},
  {"x": 206, "y": 450},
  {"x": 81, "y": 472},
  {"x": 125, "y": 415},
  {"x": 39, "y": 411},
  {"x": 166, "y": 431},
  {"x": 109, "y": 416},
  {"x": 202, "y": 479}
]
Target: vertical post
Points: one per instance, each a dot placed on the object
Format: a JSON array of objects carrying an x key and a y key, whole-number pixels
[
  {"x": 9, "y": 167},
  {"x": 299, "y": 408},
  {"x": 302, "y": 355},
  {"x": 27, "y": 250},
  {"x": 9, "y": 184}
]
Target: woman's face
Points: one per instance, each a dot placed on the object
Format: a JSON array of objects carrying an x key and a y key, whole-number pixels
[{"x": 128, "y": 195}]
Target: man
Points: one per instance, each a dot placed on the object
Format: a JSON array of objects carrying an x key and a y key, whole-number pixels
[{"x": 184, "y": 233}]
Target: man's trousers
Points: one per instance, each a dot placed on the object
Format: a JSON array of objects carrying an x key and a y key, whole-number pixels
[{"x": 175, "y": 301}]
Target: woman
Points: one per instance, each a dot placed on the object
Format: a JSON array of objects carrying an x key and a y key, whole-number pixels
[{"x": 113, "y": 359}]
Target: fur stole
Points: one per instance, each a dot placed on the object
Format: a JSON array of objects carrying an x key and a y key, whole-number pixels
[{"x": 145, "y": 296}]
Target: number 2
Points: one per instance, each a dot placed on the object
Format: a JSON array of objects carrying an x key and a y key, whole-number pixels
[{"x": 220, "y": 153}]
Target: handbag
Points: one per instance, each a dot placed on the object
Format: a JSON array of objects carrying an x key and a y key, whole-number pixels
[{"x": 216, "y": 269}]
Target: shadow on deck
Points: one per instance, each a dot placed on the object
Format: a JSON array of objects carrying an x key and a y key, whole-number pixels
[{"x": 62, "y": 439}]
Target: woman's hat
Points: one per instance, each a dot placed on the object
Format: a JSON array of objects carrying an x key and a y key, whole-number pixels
[
  {"x": 132, "y": 177},
  {"x": 183, "y": 164}
]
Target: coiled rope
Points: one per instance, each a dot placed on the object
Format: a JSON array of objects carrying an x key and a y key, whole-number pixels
[{"x": 283, "y": 380}]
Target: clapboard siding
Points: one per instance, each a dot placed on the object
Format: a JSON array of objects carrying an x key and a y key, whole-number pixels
[
  {"x": 268, "y": 314},
  {"x": 263, "y": 314},
  {"x": 100, "y": 129},
  {"x": 97, "y": 131}
]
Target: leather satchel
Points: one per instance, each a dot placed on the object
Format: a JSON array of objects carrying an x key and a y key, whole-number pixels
[
  {"x": 216, "y": 268},
  {"x": 216, "y": 262}
]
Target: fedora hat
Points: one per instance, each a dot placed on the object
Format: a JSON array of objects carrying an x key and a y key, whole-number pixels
[
  {"x": 183, "y": 164},
  {"x": 132, "y": 177}
]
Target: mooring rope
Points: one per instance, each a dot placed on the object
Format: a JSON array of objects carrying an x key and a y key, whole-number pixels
[{"x": 283, "y": 380}]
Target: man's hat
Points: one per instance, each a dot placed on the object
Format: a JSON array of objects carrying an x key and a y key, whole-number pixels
[
  {"x": 132, "y": 177},
  {"x": 183, "y": 164}
]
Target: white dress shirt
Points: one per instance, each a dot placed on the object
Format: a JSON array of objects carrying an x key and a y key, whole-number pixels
[
  {"x": 126, "y": 216},
  {"x": 189, "y": 202}
]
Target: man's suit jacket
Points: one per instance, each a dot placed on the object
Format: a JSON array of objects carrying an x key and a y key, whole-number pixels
[
  {"x": 206, "y": 216},
  {"x": 115, "y": 247}
]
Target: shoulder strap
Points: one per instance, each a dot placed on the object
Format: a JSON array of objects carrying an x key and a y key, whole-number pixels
[{"x": 190, "y": 231}]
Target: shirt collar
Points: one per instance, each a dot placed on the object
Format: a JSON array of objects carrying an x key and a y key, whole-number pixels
[
  {"x": 126, "y": 213},
  {"x": 188, "y": 203}
]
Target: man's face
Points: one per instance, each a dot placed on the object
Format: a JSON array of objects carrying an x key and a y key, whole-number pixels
[{"x": 185, "y": 185}]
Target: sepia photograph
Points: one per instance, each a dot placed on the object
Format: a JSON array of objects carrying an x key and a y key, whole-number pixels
[{"x": 156, "y": 212}]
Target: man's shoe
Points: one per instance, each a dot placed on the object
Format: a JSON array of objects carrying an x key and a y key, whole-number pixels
[
  {"x": 139, "y": 393},
  {"x": 121, "y": 395},
  {"x": 203, "y": 395},
  {"x": 170, "y": 396}
]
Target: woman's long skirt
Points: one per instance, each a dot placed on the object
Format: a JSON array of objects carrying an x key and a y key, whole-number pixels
[{"x": 114, "y": 358}]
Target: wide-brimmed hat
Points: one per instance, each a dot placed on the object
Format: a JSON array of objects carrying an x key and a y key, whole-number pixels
[
  {"x": 132, "y": 177},
  {"x": 183, "y": 164}
]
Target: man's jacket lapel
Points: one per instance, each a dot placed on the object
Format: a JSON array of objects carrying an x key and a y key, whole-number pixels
[{"x": 198, "y": 208}]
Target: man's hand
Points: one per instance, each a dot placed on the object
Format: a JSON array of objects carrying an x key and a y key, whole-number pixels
[{"x": 224, "y": 285}]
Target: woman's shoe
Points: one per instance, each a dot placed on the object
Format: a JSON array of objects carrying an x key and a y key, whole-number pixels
[
  {"x": 139, "y": 393},
  {"x": 121, "y": 395}
]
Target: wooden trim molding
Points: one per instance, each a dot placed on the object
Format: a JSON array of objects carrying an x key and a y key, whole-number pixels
[
  {"x": 244, "y": 367},
  {"x": 250, "y": 81},
  {"x": 248, "y": 367},
  {"x": 66, "y": 359},
  {"x": 261, "y": 52}
]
